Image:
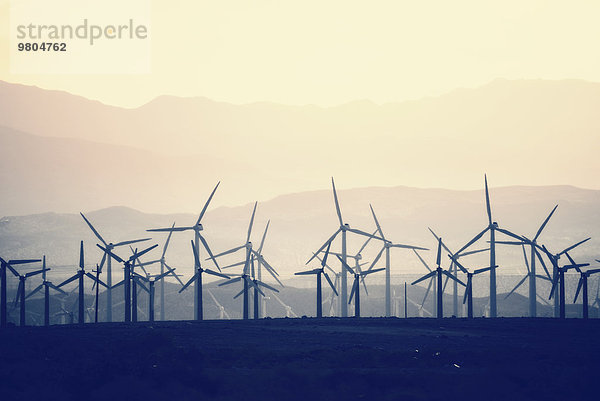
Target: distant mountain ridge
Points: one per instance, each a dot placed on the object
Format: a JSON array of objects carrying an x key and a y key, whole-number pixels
[{"x": 520, "y": 132}]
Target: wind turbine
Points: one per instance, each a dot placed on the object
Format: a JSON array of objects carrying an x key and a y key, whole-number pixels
[
  {"x": 387, "y": 245},
  {"x": 438, "y": 273},
  {"x": 558, "y": 277},
  {"x": 318, "y": 273},
  {"x": 343, "y": 229},
  {"x": 151, "y": 280},
  {"x": 532, "y": 309},
  {"x": 355, "y": 292},
  {"x": 197, "y": 278},
  {"x": 454, "y": 266},
  {"x": 126, "y": 275},
  {"x": 492, "y": 228},
  {"x": 20, "y": 296},
  {"x": 251, "y": 254},
  {"x": 79, "y": 276},
  {"x": 468, "y": 298},
  {"x": 583, "y": 282},
  {"x": 3, "y": 266},
  {"x": 109, "y": 246},
  {"x": 222, "y": 312},
  {"x": 196, "y": 228},
  {"x": 531, "y": 272},
  {"x": 289, "y": 312},
  {"x": 47, "y": 285}
]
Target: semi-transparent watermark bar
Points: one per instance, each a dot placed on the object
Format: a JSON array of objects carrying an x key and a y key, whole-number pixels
[{"x": 80, "y": 36}]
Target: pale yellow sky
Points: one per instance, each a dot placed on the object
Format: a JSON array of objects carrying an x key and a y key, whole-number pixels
[{"x": 330, "y": 52}]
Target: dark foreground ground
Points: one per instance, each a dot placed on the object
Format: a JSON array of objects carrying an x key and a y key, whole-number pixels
[{"x": 305, "y": 359}]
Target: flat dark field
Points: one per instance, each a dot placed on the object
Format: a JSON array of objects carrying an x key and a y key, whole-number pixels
[{"x": 304, "y": 359}]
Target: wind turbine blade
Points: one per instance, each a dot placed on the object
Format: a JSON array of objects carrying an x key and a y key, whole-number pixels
[
  {"x": 190, "y": 281},
  {"x": 12, "y": 270},
  {"x": 266, "y": 286},
  {"x": 367, "y": 272},
  {"x": 451, "y": 276},
  {"x": 172, "y": 273},
  {"x": 169, "y": 229},
  {"x": 207, "y": 203},
  {"x": 138, "y": 254},
  {"x": 510, "y": 234},
  {"x": 366, "y": 243},
  {"x": 214, "y": 273},
  {"x": 81, "y": 264},
  {"x": 324, "y": 245},
  {"x": 483, "y": 270},
  {"x": 112, "y": 255},
  {"x": 324, "y": 260},
  {"x": 345, "y": 265},
  {"x": 141, "y": 285},
  {"x": 543, "y": 277},
  {"x": 579, "y": 284},
  {"x": 574, "y": 246},
  {"x": 196, "y": 259},
  {"x": 232, "y": 250},
  {"x": 460, "y": 266},
  {"x": 167, "y": 242},
  {"x": 120, "y": 283},
  {"x": 102, "y": 262},
  {"x": 270, "y": 269},
  {"x": 542, "y": 262},
  {"x": 475, "y": 239},
  {"x": 425, "y": 277},
  {"x": 516, "y": 286},
  {"x": 544, "y": 224},
  {"x": 253, "y": 284},
  {"x": 438, "y": 239},
  {"x": 409, "y": 247},
  {"x": 427, "y": 292},
  {"x": 330, "y": 283},
  {"x": 166, "y": 273},
  {"x": 354, "y": 289},
  {"x": 337, "y": 203},
  {"x": 133, "y": 241},
  {"x": 262, "y": 241},
  {"x": 96, "y": 233},
  {"x": 377, "y": 222},
  {"x": 35, "y": 273},
  {"x": 230, "y": 281},
  {"x": 251, "y": 222},
  {"x": 308, "y": 272},
  {"x": 376, "y": 258},
  {"x": 592, "y": 271},
  {"x": 238, "y": 294},
  {"x": 360, "y": 232},
  {"x": 69, "y": 280},
  {"x": 243, "y": 262},
  {"x": 438, "y": 259},
  {"x": 212, "y": 257},
  {"x": 56, "y": 288},
  {"x": 525, "y": 257},
  {"x": 422, "y": 261},
  {"x": 17, "y": 295},
  {"x": 467, "y": 289},
  {"x": 96, "y": 280},
  {"x": 474, "y": 252},
  {"x": 487, "y": 201},
  {"x": 39, "y": 287},
  {"x": 22, "y": 261}
]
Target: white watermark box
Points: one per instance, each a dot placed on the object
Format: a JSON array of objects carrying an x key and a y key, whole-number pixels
[{"x": 80, "y": 36}]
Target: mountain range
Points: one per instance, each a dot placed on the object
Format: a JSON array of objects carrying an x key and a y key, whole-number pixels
[{"x": 66, "y": 153}]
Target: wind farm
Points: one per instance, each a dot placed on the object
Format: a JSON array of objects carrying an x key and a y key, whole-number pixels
[{"x": 284, "y": 201}]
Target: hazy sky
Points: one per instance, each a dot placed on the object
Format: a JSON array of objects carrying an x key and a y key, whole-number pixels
[{"x": 330, "y": 52}]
